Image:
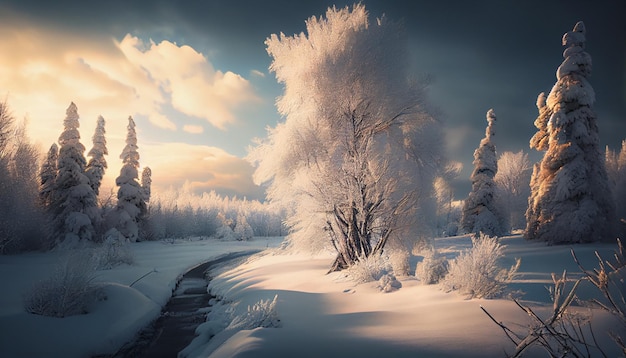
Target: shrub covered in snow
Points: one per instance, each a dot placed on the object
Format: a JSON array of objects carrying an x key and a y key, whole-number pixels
[
  {"x": 476, "y": 272},
  {"x": 114, "y": 251},
  {"x": 432, "y": 269},
  {"x": 68, "y": 291},
  {"x": 368, "y": 269},
  {"x": 261, "y": 314},
  {"x": 399, "y": 261},
  {"x": 388, "y": 283}
]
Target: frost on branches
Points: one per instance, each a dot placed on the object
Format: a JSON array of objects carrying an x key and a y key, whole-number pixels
[
  {"x": 616, "y": 168},
  {"x": 356, "y": 155},
  {"x": 131, "y": 199},
  {"x": 570, "y": 199},
  {"x": 73, "y": 206},
  {"x": 480, "y": 213}
]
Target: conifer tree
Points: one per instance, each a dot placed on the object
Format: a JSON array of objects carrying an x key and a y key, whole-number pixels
[
  {"x": 48, "y": 175},
  {"x": 131, "y": 205},
  {"x": 97, "y": 164},
  {"x": 74, "y": 203},
  {"x": 570, "y": 199},
  {"x": 480, "y": 213}
]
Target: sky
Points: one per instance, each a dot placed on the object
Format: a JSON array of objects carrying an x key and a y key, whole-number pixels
[{"x": 194, "y": 74}]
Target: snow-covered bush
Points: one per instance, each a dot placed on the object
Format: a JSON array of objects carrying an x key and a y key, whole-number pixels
[
  {"x": 261, "y": 314},
  {"x": 399, "y": 261},
  {"x": 68, "y": 291},
  {"x": 114, "y": 251},
  {"x": 368, "y": 269},
  {"x": 476, "y": 272},
  {"x": 388, "y": 283},
  {"x": 432, "y": 269}
]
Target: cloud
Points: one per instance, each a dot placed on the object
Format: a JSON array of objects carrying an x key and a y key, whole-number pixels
[
  {"x": 42, "y": 70},
  {"x": 204, "y": 168},
  {"x": 193, "y": 85},
  {"x": 257, "y": 73},
  {"x": 193, "y": 129}
]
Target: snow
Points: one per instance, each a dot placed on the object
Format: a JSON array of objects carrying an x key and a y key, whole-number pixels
[
  {"x": 111, "y": 322},
  {"x": 319, "y": 314},
  {"x": 330, "y": 315}
]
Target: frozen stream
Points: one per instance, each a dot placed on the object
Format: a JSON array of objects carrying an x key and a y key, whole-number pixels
[{"x": 187, "y": 308}]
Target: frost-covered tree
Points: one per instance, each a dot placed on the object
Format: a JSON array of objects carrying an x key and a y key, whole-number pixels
[
  {"x": 74, "y": 203},
  {"x": 20, "y": 218},
  {"x": 512, "y": 183},
  {"x": 131, "y": 204},
  {"x": 48, "y": 175},
  {"x": 480, "y": 212},
  {"x": 616, "y": 170},
  {"x": 243, "y": 230},
  {"x": 97, "y": 164},
  {"x": 146, "y": 183},
  {"x": 570, "y": 199},
  {"x": 444, "y": 193},
  {"x": 356, "y": 156}
]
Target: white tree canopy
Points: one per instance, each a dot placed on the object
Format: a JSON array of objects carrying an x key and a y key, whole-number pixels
[
  {"x": 512, "y": 183},
  {"x": 570, "y": 199},
  {"x": 356, "y": 155}
]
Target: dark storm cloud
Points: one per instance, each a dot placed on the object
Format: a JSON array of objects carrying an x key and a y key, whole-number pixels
[{"x": 481, "y": 54}]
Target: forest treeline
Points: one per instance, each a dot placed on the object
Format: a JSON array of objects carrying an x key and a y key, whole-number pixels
[{"x": 56, "y": 200}]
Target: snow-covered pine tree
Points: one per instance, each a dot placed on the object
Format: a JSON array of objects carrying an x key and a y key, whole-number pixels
[
  {"x": 570, "y": 199},
  {"x": 97, "y": 164},
  {"x": 480, "y": 213},
  {"x": 48, "y": 175},
  {"x": 131, "y": 204},
  {"x": 74, "y": 204}
]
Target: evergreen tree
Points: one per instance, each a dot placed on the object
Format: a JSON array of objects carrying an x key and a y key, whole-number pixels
[
  {"x": 570, "y": 199},
  {"x": 131, "y": 205},
  {"x": 480, "y": 213},
  {"x": 47, "y": 176},
  {"x": 74, "y": 203},
  {"x": 97, "y": 164}
]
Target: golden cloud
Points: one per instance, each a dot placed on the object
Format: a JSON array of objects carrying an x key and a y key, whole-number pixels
[{"x": 42, "y": 70}]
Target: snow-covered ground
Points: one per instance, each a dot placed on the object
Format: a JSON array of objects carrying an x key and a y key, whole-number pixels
[
  {"x": 113, "y": 321},
  {"x": 320, "y": 315},
  {"x": 331, "y": 316}
]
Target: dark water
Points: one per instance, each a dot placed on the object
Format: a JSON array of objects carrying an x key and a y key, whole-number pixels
[{"x": 184, "y": 312}]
